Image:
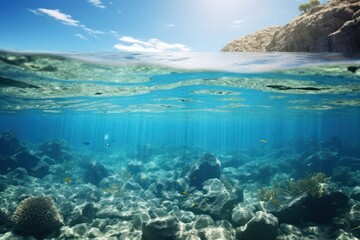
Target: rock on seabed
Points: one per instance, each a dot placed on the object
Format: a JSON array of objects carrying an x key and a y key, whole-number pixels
[
  {"x": 263, "y": 226},
  {"x": 205, "y": 168},
  {"x": 160, "y": 228}
]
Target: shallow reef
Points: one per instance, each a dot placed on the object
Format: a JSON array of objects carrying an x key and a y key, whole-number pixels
[{"x": 308, "y": 189}]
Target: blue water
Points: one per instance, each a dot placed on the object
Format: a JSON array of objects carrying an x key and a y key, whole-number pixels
[
  {"x": 211, "y": 132},
  {"x": 215, "y": 101},
  {"x": 134, "y": 129}
]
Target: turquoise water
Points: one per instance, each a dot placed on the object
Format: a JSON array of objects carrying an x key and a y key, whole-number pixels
[
  {"x": 193, "y": 146},
  {"x": 216, "y": 101}
]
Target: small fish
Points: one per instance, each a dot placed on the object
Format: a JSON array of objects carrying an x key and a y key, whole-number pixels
[
  {"x": 193, "y": 205},
  {"x": 67, "y": 180},
  {"x": 86, "y": 143},
  {"x": 263, "y": 141},
  {"x": 106, "y": 136},
  {"x": 107, "y": 145},
  {"x": 184, "y": 193}
]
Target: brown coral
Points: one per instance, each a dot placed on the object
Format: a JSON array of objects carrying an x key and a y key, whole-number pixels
[{"x": 36, "y": 215}]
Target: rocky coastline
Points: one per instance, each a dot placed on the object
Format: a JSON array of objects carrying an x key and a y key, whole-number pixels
[{"x": 331, "y": 27}]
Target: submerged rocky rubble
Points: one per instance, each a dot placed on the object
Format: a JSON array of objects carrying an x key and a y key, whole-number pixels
[{"x": 308, "y": 189}]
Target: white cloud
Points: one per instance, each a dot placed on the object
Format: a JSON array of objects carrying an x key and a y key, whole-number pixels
[
  {"x": 237, "y": 24},
  {"x": 55, "y": 13},
  {"x": 65, "y": 19},
  {"x": 171, "y": 25},
  {"x": 34, "y": 11},
  {"x": 80, "y": 36},
  {"x": 91, "y": 31},
  {"x": 115, "y": 34},
  {"x": 97, "y": 3},
  {"x": 131, "y": 44}
]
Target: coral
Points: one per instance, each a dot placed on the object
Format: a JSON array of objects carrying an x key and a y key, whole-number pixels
[
  {"x": 311, "y": 185},
  {"x": 37, "y": 216},
  {"x": 267, "y": 194}
]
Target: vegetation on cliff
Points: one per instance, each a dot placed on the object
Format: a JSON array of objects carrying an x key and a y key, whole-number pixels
[{"x": 306, "y": 7}]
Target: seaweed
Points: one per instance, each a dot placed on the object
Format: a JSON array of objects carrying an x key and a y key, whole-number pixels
[
  {"x": 268, "y": 194},
  {"x": 311, "y": 185}
]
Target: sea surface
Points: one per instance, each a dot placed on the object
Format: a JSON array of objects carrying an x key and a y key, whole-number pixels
[
  {"x": 214, "y": 100},
  {"x": 164, "y": 112}
]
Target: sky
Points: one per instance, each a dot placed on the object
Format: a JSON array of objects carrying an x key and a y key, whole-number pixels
[{"x": 135, "y": 25}]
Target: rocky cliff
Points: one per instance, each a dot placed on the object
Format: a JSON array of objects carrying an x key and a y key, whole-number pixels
[
  {"x": 255, "y": 42},
  {"x": 331, "y": 27}
]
